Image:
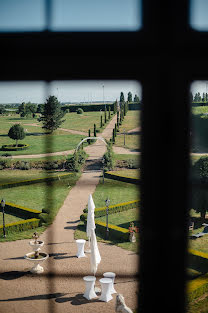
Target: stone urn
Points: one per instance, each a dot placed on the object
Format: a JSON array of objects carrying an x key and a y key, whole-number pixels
[
  {"x": 37, "y": 258},
  {"x": 36, "y": 244}
]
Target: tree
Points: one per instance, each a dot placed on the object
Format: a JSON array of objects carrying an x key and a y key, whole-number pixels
[
  {"x": 129, "y": 97},
  {"x": 200, "y": 192},
  {"x": 122, "y": 97},
  {"x": 136, "y": 98},
  {"x": 16, "y": 132},
  {"x": 52, "y": 114}
]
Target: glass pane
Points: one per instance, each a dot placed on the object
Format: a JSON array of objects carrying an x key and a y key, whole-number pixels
[
  {"x": 51, "y": 183},
  {"x": 96, "y": 15},
  {"x": 198, "y": 217},
  {"x": 198, "y": 14},
  {"x": 22, "y": 15}
]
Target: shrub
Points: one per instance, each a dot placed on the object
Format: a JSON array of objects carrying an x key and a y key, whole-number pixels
[
  {"x": 76, "y": 161},
  {"x": 80, "y": 111},
  {"x": 109, "y": 158},
  {"x": 14, "y": 147},
  {"x": 20, "y": 226},
  {"x": 16, "y": 132}
]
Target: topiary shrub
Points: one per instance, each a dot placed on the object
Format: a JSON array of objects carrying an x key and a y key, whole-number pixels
[
  {"x": 109, "y": 158},
  {"x": 80, "y": 111}
]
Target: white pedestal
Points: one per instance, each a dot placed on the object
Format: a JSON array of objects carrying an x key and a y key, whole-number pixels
[
  {"x": 111, "y": 275},
  {"x": 89, "y": 287},
  {"x": 80, "y": 248},
  {"x": 105, "y": 286}
]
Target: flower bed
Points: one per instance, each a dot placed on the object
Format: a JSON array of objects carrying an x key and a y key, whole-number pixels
[{"x": 14, "y": 147}]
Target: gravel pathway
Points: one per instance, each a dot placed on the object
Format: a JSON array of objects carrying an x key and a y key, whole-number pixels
[{"x": 23, "y": 292}]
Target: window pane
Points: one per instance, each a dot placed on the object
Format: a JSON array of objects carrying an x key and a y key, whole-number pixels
[
  {"x": 96, "y": 15},
  {"x": 22, "y": 15},
  {"x": 198, "y": 14},
  {"x": 198, "y": 218}
]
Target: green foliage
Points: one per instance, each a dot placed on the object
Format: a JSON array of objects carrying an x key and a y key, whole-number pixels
[
  {"x": 88, "y": 107},
  {"x": 16, "y": 132},
  {"x": 20, "y": 226},
  {"x": 95, "y": 132},
  {"x": 200, "y": 192},
  {"x": 129, "y": 97},
  {"x": 76, "y": 162},
  {"x": 109, "y": 158},
  {"x": 122, "y": 97},
  {"x": 52, "y": 114},
  {"x": 80, "y": 111},
  {"x": 18, "y": 147},
  {"x": 109, "y": 113},
  {"x": 105, "y": 116},
  {"x": 136, "y": 98},
  {"x": 27, "y": 109}
]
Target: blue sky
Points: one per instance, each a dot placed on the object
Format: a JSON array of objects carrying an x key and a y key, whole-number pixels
[
  {"x": 67, "y": 91},
  {"x": 71, "y": 15}
]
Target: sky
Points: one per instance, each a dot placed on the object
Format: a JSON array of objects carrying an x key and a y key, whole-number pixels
[
  {"x": 198, "y": 14},
  {"x": 199, "y": 86},
  {"x": 70, "y": 15},
  {"x": 67, "y": 91}
]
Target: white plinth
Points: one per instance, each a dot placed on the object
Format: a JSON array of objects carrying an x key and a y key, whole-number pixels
[
  {"x": 80, "y": 248},
  {"x": 89, "y": 287},
  {"x": 105, "y": 286},
  {"x": 112, "y": 276}
]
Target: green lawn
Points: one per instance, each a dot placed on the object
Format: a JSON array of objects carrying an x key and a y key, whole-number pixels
[
  {"x": 9, "y": 218},
  {"x": 58, "y": 141},
  {"x": 43, "y": 195},
  {"x": 128, "y": 173},
  {"x": 8, "y": 176},
  {"x": 131, "y": 121},
  {"x": 83, "y": 122},
  {"x": 122, "y": 219},
  {"x": 117, "y": 192}
]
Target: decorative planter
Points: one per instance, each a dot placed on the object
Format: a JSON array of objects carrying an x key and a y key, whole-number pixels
[
  {"x": 36, "y": 269},
  {"x": 36, "y": 246},
  {"x": 132, "y": 237}
]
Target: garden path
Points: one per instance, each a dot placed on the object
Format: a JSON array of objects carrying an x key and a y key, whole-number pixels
[{"x": 23, "y": 292}]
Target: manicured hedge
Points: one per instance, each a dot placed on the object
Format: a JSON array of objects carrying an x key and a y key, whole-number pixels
[
  {"x": 87, "y": 107},
  {"x": 130, "y": 180},
  {"x": 112, "y": 209},
  {"x": 115, "y": 232},
  {"x": 34, "y": 181},
  {"x": 14, "y": 148},
  {"x": 21, "y": 211},
  {"x": 197, "y": 287},
  {"x": 20, "y": 226}
]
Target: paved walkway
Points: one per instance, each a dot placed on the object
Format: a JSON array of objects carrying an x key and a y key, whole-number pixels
[{"x": 23, "y": 292}]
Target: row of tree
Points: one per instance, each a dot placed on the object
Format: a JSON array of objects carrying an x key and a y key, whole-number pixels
[
  {"x": 129, "y": 97},
  {"x": 198, "y": 97}
]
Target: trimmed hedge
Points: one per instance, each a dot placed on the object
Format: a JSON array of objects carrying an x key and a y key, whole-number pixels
[
  {"x": 87, "y": 107},
  {"x": 112, "y": 209},
  {"x": 115, "y": 232},
  {"x": 34, "y": 181},
  {"x": 198, "y": 286},
  {"x": 20, "y": 226},
  {"x": 14, "y": 148},
  {"x": 21, "y": 211},
  {"x": 118, "y": 177}
]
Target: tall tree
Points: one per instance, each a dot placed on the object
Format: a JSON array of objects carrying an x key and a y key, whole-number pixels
[
  {"x": 16, "y": 132},
  {"x": 136, "y": 98},
  {"x": 52, "y": 114},
  {"x": 122, "y": 97},
  {"x": 129, "y": 96}
]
